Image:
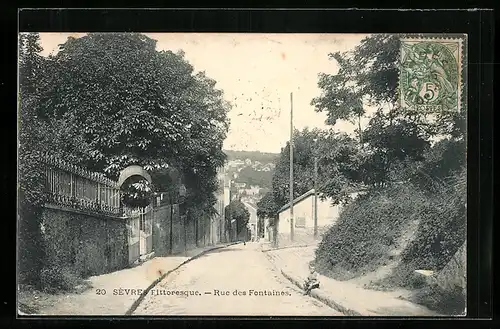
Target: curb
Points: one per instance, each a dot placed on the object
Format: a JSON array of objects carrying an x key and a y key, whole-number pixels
[
  {"x": 322, "y": 298},
  {"x": 314, "y": 294},
  {"x": 142, "y": 260},
  {"x": 163, "y": 276},
  {"x": 289, "y": 247}
]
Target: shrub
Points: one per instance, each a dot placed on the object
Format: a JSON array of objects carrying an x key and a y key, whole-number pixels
[
  {"x": 404, "y": 276},
  {"x": 442, "y": 230},
  {"x": 438, "y": 245},
  {"x": 449, "y": 302},
  {"x": 30, "y": 246},
  {"x": 367, "y": 229},
  {"x": 59, "y": 278}
]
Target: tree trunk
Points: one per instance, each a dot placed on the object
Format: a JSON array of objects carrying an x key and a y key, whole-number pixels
[
  {"x": 185, "y": 234},
  {"x": 196, "y": 231},
  {"x": 204, "y": 232},
  {"x": 360, "y": 132}
]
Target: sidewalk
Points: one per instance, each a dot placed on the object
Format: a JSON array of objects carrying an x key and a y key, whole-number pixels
[
  {"x": 346, "y": 297},
  {"x": 104, "y": 297}
]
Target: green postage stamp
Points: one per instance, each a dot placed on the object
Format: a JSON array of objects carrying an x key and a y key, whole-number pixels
[{"x": 431, "y": 73}]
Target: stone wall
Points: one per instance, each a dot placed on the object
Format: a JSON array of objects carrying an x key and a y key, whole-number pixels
[
  {"x": 454, "y": 274},
  {"x": 87, "y": 243},
  {"x": 191, "y": 233},
  {"x": 92, "y": 244}
]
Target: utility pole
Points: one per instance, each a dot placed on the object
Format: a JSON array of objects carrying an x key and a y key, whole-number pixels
[
  {"x": 315, "y": 193},
  {"x": 275, "y": 228},
  {"x": 291, "y": 167}
]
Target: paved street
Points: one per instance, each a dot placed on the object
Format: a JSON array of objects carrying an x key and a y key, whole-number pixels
[{"x": 238, "y": 280}]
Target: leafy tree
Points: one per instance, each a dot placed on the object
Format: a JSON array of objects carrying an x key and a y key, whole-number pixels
[
  {"x": 389, "y": 146},
  {"x": 236, "y": 210},
  {"x": 31, "y": 172},
  {"x": 137, "y": 192},
  {"x": 303, "y": 167},
  {"x": 443, "y": 161},
  {"x": 267, "y": 207},
  {"x": 31, "y": 67},
  {"x": 368, "y": 76},
  {"x": 130, "y": 104},
  {"x": 340, "y": 164},
  {"x": 413, "y": 162}
]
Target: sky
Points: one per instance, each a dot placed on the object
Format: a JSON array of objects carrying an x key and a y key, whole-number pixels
[{"x": 257, "y": 73}]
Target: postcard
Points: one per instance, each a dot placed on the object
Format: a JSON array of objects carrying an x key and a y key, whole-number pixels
[{"x": 233, "y": 174}]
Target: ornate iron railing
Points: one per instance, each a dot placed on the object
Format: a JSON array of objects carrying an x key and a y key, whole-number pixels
[{"x": 75, "y": 187}]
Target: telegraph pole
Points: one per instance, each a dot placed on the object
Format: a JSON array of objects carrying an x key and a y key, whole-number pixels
[
  {"x": 291, "y": 167},
  {"x": 315, "y": 193}
]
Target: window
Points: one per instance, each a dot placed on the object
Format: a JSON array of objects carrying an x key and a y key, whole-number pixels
[{"x": 300, "y": 222}]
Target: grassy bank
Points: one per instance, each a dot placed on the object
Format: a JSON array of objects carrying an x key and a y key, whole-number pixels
[{"x": 409, "y": 229}]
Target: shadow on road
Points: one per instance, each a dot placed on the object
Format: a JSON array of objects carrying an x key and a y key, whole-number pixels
[{"x": 219, "y": 251}]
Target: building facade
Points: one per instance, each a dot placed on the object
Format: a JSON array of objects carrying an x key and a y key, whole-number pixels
[
  {"x": 227, "y": 197},
  {"x": 252, "y": 221},
  {"x": 253, "y": 190},
  {"x": 218, "y": 220},
  {"x": 303, "y": 214}
]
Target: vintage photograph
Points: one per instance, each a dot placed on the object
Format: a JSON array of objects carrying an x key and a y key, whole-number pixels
[{"x": 228, "y": 174}]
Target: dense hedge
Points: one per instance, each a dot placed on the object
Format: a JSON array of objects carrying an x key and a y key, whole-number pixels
[
  {"x": 59, "y": 278},
  {"x": 367, "y": 230},
  {"x": 442, "y": 231},
  {"x": 30, "y": 246},
  {"x": 440, "y": 234}
]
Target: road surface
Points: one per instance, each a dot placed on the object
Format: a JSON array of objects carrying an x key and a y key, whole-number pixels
[{"x": 233, "y": 281}]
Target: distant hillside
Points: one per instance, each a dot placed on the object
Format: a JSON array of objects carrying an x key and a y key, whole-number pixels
[
  {"x": 252, "y": 155},
  {"x": 250, "y": 176}
]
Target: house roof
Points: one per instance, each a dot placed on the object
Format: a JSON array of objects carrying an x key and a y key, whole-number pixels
[
  {"x": 297, "y": 200},
  {"x": 311, "y": 192}
]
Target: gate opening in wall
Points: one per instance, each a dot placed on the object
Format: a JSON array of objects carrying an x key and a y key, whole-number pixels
[{"x": 140, "y": 229}]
